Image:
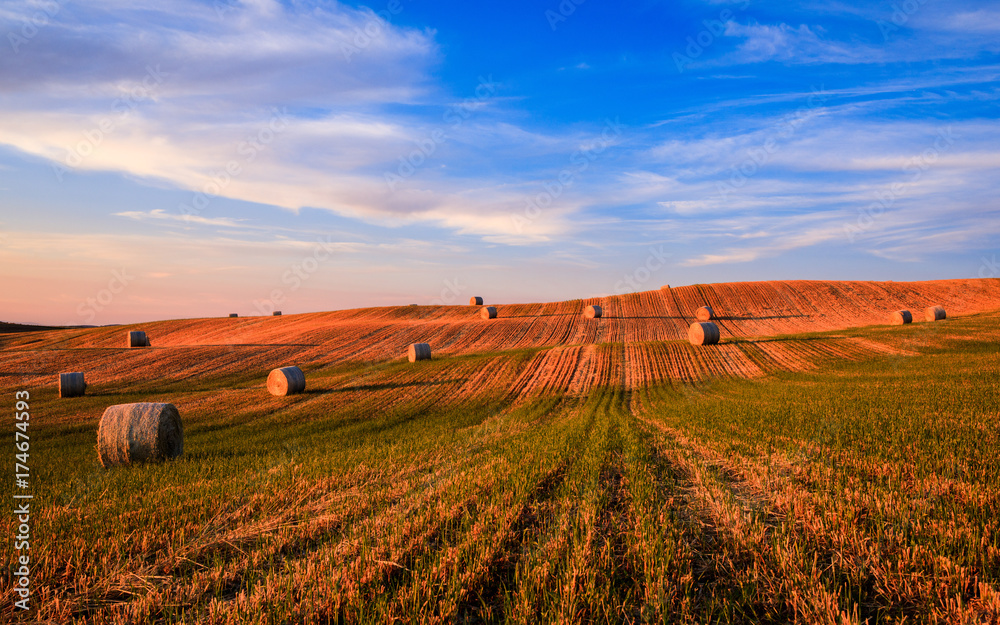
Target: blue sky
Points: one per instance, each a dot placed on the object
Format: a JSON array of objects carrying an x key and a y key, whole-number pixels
[{"x": 185, "y": 158}]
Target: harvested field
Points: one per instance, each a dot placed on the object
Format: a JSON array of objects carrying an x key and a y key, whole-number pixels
[
  {"x": 541, "y": 467},
  {"x": 756, "y": 309}
]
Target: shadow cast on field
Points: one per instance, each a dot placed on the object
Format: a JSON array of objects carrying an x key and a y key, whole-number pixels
[
  {"x": 537, "y": 316},
  {"x": 393, "y": 386},
  {"x": 231, "y": 345},
  {"x": 623, "y": 317},
  {"x": 751, "y": 318},
  {"x": 740, "y": 339}
]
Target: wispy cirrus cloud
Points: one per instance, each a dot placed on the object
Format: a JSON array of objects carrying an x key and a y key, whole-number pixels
[{"x": 798, "y": 44}]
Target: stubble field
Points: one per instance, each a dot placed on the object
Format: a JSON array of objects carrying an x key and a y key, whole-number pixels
[{"x": 817, "y": 466}]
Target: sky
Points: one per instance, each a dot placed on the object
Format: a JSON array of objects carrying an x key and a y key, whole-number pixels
[{"x": 194, "y": 158}]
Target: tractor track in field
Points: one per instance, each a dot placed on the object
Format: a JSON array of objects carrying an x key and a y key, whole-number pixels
[
  {"x": 484, "y": 599},
  {"x": 738, "y": 530},
  {"x": 852, "y": 555}
]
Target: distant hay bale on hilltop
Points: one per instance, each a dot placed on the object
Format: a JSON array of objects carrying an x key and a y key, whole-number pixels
[
  {"x": 665, "y": 287},
  {"x": 899, "y": 317},
  {"x": 419, "y": 351},
  {"x": 137, "y": 338},
  {"x": 593, "y": 312},
  {"x": 233, "y": 315},
  {"x": 475, "y": 301},
  {"x": 72, "y": 385},
  {"x": 488, "y": 312},
  {"x": 703, "y": 333},
  {"x": 132, "y": 433},
  {"x": 934, "y": 313},
  {"x": 705, "y": 313},
  {"x": 276, "y": 313},
  {"x": 286, "y": 381}
]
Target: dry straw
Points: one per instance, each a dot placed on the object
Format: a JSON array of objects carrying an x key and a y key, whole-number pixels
[
  {"x": 899, "y": 317},
  {"x": 705, "y": 313},
  {"x": 593, "y": 312},
  {"x": 488, "y": 312},
  {"x": 419, "y": 351},
  {"x": 131, "y": 433},
  {"x": 703, "y": 333},
  {"x": 934, "y": 313},
  {"x": 475, "y": 301},
  {"x": 71, "y": 385},
  {"x": 137, "y": 338},
  {"x": 286, "y": 381}
]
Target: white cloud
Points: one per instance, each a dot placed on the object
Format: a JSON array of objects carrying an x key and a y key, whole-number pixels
[
  {"x": 979, "y": 21},
  {"x": 266, "y": 103},
  {"x": 801, "y": 44},
  {"x": 161, "y": 215}
]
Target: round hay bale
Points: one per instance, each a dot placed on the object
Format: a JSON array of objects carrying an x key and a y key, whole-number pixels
[
  {"x": 286, "y": 381},
  {"x": 137, "y": 338},
  {"x": 593, "y": 312},
  {"x": 475, "y": 301},
  {"x": 233, "y": 315},
  {"x": 934, "y": 313},
  {"x": 276, "y": 313},
  {"x": 72, "y": 385},
  {"x": 131, "y": 433},
  {"x": 488, "y": 312},
  {"x": 419, "y": 351},
  {"x": 665, "y": 287},
  {"x": 703, "y": 333},
  {"x": 899, "y": 317},
  {"x": 705, "y": 313}
]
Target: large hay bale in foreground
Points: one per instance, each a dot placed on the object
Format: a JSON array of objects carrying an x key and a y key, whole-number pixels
[
  {"x": 703, "y": 333},
  {"x": 488, "y": 312},
  {"x": 286, "y": 381},
  {"x": 593, "y": 312},
  {"x": 899, "y": 317},
  {"x": 131, "y": 433},
  {"x": 934, "y": 313},
  {"x": 475, "y": 301},
  {"x": 705, "y": 313},
  {"x": 72, "y": 385},
  {"x": 419, "y": 351},
  {"x": 137, "y": 338}
]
